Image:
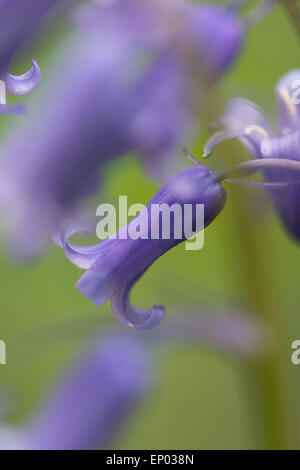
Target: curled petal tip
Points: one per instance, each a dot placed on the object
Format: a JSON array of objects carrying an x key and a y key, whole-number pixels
[
  {"x": 19, "y": 85},
  {"x": 206, "y": 154},
  {"x": 131, "y": 316}
]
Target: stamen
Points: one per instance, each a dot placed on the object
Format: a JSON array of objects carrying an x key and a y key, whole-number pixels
[
  {"x": 258, "y": 129},
  {"x": 288, "y": 101}
]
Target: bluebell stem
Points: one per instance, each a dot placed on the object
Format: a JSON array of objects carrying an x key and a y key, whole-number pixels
[
  {"x": 18, "y": 19},
  {"x": 227, "y": 330},
  {"x": 50, "y": 164},
  {"x": 92, "y": 401},
  {"x": 247, "y": 122},
  {"x": 114, "y": 265}
]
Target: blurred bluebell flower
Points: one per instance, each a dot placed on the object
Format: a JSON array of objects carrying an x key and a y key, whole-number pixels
[
  {"x": 18, "y": 19},
  {"x": 115, "y": 265},
  {"x": 95, "y": 398},
  {"x": 92, "y": 400},
  {"x": 246, "y": 121},
  {"x": 126, "y": 84}
]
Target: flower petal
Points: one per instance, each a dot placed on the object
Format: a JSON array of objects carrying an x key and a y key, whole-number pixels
[
  {"x": 12, "y": 109},
  {"x": 81, "y": 256},
  {"x": 131, "y": 316},
  {"x": 122, "y": 259},
  {"x": 288, "y": 99},
  {"x": 92, "y": 400},
  {"x": 20, "y": 85},
  {"x": 244, "y": 117}
]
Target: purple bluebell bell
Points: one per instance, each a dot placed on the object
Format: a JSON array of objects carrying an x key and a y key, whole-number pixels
[
  {"x": 95, "y": 113},
  {"x": 115, "y": 265},
  {"x": 18, "y": 20},
  {"x": 246, "y": 121},
  {"x": 93, "y": 399}
]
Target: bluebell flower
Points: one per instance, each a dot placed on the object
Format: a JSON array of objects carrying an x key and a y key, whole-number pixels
[
  {"x": 115, "y": 265},
  {"x": 18, "y": 20},
  {"x": 92, "y": 400},
  {"x": 245, "y": 121},
  {"x": 126, "y": 84}
]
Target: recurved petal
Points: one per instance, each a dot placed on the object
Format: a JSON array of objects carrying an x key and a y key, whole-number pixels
[
  {"x": 20, "y": 85},
  {"x": 131, "y": 316},
  {"x": 288, "y": 100},
  {"x": 244, "y": 116},
  {"x": 81, "y": 256}
]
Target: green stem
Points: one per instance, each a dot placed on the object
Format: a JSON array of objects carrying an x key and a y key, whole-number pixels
[
  {"x": 293, "y": 10},
  {"x": 279, "y": 424}
]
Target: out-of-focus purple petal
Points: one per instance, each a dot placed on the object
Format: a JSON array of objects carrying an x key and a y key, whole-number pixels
[
  {"x": 92, "y": 401},
  {"x": 12, "y": 109},
  {"x": 20, "y": 85},
  {"x": 288, "y": 99},
  {"x": 244, "y": 116},
  {"x": 161, "y": 116},
  {"x": 18, "y": 19},
  {"x": 220, "y": 34}
]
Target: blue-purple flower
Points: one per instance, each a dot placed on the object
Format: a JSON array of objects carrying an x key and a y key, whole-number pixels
[
  {"x": 127, "y": 83},
  {"x": 246, "y": 121},
  {"x": 116, "y": 264}
]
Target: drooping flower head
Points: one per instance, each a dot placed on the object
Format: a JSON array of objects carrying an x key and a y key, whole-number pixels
[
  {"x": 18, "y": 20},
  {"x": 246, "y": 121},
  {"x": 114, "y": 265},
  {"x": 127, "y": 84}
]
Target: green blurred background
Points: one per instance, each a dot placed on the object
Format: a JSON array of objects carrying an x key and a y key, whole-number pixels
[{"x": 203, "y": 399}]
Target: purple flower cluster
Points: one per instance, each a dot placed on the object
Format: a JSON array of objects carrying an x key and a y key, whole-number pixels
[
  {"x": 126, "y": 84},
  {"x": 244, "y": 120},
  {"x": 132, "y": 80}
]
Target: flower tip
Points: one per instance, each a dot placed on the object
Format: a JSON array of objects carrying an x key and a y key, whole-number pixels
[
  {"x": 19, "y": 85},
  {"x": 206, "y": 154}
]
